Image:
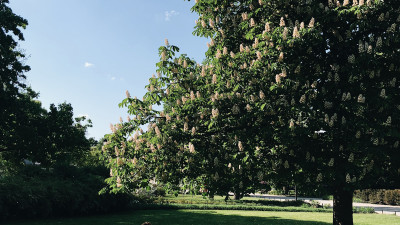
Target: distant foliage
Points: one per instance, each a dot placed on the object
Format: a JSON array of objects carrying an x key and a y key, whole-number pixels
[
  {"x": 66, "y": 191},
  {"x": 379, "y": 196},
  {"x": 27, "y": 130}
]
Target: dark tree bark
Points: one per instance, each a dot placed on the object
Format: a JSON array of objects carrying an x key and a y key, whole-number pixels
[
  {"x": 238, "y": 196},
  {"x": 211, "y": 195},
  {"x": 286, "y": 190},
  {"x": 342, "y": 207}
]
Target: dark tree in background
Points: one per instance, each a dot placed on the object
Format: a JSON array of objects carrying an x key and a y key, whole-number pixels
[
  {"x": 11, "y": 76},
  {"x": 66, "y": 174},
  {"x": 28, "y": 131}
]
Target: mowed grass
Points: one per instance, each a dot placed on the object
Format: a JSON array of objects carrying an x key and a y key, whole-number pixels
[
  {"x": 214, "y": 217},
  {"x": 189, "y": 197},
  {"x": 198, "y": 199}
]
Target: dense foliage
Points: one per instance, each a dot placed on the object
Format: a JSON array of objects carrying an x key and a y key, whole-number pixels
[
  {"x": 28, "y": 131},
  {"x": 64, "y": 191},
  {"x": 48, "y": 137},
  {"x": 11, "y": 75},
  {"x": 65, "y": 175}
]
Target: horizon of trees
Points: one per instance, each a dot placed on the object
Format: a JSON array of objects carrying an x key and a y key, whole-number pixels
[{"x": 29, "y": 131}]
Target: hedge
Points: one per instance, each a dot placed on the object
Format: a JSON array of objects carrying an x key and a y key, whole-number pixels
[
  {"x": 61, "y": 192},
  {"x": 379, "y": 196}
]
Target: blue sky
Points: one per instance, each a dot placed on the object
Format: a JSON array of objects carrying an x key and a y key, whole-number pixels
[{"x": 89, "y": 52}]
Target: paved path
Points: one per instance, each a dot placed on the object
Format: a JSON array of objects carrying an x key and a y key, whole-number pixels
[{"x": 382, "y": 209}]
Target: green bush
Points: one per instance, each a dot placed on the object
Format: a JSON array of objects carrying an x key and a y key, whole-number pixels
[
  {"x": 64, "y": 191},
  {"x": 159, "y": 191},
  {"x": 231, "y": 202},
  {"x": 301, "y": 191},
  {"x": 363, "y": 210}
]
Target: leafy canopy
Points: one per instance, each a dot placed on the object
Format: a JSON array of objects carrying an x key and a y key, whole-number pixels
[{"x": 301, "y": 91}]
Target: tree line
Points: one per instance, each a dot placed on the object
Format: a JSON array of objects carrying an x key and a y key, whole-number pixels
[{"x": 29, "y": 131}]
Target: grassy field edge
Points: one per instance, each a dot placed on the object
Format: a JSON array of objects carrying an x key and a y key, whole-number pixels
[{"x": 230, "y": 207}]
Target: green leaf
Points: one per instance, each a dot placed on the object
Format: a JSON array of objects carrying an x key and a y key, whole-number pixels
[
  {"x": 249, "y": 36},
  {"x": 263, "y": 106},
  {"x": 210, "y": 125}
]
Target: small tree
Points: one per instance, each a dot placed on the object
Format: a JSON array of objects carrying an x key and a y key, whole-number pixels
[{"x": 61, "y": 138}]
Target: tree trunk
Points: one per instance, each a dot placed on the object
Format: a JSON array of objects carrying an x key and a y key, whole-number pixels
[
  {"x": 342, "y": 207},
  {"x": 295, "y": 192},
  {"x": 227, "y": 197},
  {"x": 238, "y": 196},
  {"x": 211, "y": 195},
  {"x": 285, "y": 190}
]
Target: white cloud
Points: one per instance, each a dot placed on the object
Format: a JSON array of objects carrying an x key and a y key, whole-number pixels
[
  {"x": 115, "y": 78},
  {"x": 169, "y": 14},
  {"x": 88, "y": 64}
]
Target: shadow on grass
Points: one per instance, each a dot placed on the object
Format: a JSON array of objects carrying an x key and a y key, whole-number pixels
[{"x": 173, "y": 217}]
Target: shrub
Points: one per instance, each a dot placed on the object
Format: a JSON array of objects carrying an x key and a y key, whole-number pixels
[
  {"x": 194, "y": 200},
  {"x": 379, "y": 196},
  {"x": 392, "y": 197},
  {"x": 363, "y": 210},
  {"x": 159, "y": 191},
  {"x": 314, "y": 204},
  {"x": 362, "y": 194},
  {"x": 66, "y": 191}
]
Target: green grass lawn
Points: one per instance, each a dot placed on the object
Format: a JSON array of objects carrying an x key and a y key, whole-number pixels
[
  {"x": 198, "y": 199},
  {"x": 214, "y": 217}
]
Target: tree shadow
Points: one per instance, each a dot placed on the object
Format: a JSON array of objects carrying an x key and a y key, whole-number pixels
[
  {"x": 176, "y": 217},
  {"x": 206, "y": 217}
]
